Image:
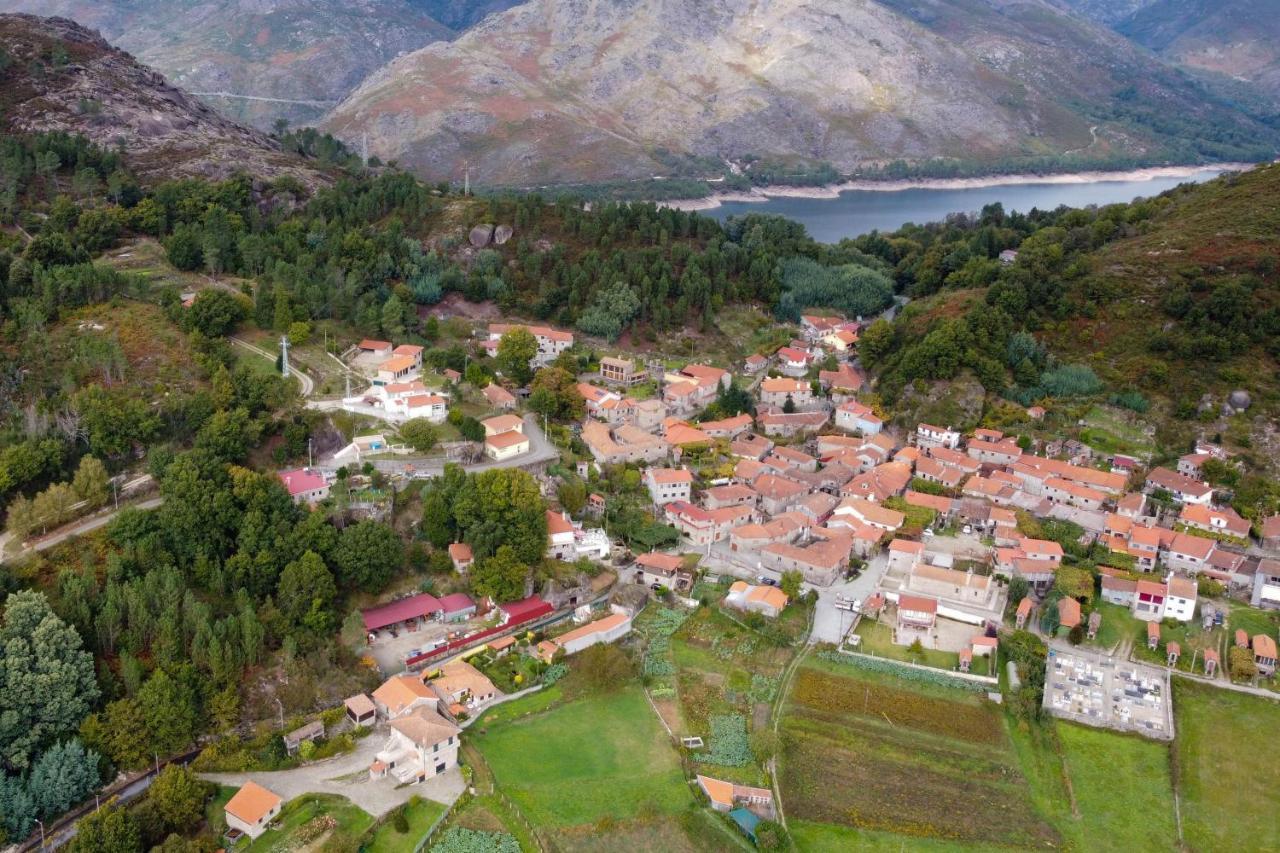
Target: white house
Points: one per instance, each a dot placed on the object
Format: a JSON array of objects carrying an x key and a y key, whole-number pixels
[
  {"x": 928, "y": 435},
  {"x": 506, "y": 445},
  {"x": 613, "y": 627},
  {"x": 251, "y": 810},
  {"x": 668, "y": 484},
  {"x": 422, "y": 745},
  {"x": 1180, "y": 603},
  {"x": 1181, "y": 488},
  {"x": 560, "y": 538},
  {"x": 855, "y": 417},
  {"x": 551, "y": 342},
  {"x": 794, "y": 362}
]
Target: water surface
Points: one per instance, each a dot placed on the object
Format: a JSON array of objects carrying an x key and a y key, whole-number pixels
[{"x": 856, "y": 212}]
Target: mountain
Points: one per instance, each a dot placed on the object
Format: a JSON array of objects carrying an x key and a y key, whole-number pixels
[
  {"x": 1234, "y": 45},
  {"x": 460, "y": 15},
  {"x": 589, "y": 90},
  {"x": 55, "y": 75},
  {"x": 295, "y": 58},
  {"x": 1109, "y": 12}
]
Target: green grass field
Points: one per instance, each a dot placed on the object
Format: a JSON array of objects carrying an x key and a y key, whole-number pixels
[
  {"x": 602, "y": 756},
  {"x": 1114, "y": 778},
  {"x": 1227, "y": 755},
  {"x": 1118, "y": 624},
  {"x": 877, "y": 639},
  {"x": 420, "y": 813},
  {"x": 304, "y": 821}
]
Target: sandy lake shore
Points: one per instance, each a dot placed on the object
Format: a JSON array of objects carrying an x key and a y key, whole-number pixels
[{"x": 761, "y": 194}]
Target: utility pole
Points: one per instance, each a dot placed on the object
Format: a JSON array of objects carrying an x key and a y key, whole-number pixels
[
  {"x": 466, "y": 179},
  {"x": 284, "y": 356},
  {"x": 364, "y": 149},
  {"x": 310, "y": 462}
]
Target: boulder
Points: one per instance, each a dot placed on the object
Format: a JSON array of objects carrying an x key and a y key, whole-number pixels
[
  {"x": 481, "y": 235},
  {"x": 502, "y": 234},
  {"x": 1240, "y": 400}
]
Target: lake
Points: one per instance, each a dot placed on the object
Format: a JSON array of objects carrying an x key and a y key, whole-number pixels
[{"x": 856, "y": 212}]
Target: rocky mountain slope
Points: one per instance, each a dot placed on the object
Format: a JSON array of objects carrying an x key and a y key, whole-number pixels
[
  {"x": 572, "y": 90},
  {"x": 296, "y": 58},
  {"x": 1232, "y": 44},
  {"x": 55, "y": 75},
  {"x": 1109, "y": 12}
]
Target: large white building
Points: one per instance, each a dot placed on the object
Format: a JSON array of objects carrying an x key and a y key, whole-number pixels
[{"x": 422, "y": 745}]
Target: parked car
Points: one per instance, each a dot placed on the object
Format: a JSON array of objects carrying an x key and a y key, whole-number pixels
[{"x": 928, "y": 532}]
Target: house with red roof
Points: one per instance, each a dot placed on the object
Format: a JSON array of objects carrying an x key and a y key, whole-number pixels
[
  {"x": 916, "y": 617},
  {"x": 461, "y": 557},
  {"x": 304, "y": 485},
  {"x": 793, "y": 361},
  {"x": 379, "y": 349}
]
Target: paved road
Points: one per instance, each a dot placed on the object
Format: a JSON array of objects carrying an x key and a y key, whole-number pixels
[
  {"x": 347, "y": 776},
  {"x": 86, "y": 526},
  {"x": 830, "y": 624},
  {"x": 306, "y": 383}
]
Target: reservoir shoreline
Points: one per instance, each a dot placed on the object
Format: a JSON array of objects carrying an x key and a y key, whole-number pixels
[{"x": 833, "y": 191}]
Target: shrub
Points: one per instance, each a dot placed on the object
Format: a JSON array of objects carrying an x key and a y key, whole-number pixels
[
  {"x": 554, "y": 673},
  {"x": 1070, "y": 380}
]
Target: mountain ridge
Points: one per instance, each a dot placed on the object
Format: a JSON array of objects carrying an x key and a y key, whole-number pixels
[
  {"x": 557, "y": 91},
  {"x": 60, "y": 76},
  {"x": 275, "y": 51}
]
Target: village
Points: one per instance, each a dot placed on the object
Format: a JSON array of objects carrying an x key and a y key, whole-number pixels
[{"x": 922, "y": 546}]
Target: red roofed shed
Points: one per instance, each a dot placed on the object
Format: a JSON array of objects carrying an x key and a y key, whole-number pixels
[{"x": 420, "y": 606}]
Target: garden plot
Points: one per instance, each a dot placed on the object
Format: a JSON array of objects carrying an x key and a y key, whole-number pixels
[
  {"x": 881, "y": 754},
  {"x": 726, "y": 677}
]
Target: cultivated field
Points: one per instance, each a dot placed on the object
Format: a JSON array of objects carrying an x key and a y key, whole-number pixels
[{"x": 876, "y": 753}]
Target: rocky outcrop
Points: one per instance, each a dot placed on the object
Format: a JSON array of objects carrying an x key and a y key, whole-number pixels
[
  {"x": 572, "y": 90},
  {"x": 293, "y": 59},
  {"x": 62, "y": 77}
]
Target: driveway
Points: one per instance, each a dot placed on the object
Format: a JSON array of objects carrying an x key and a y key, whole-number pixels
[
  {"x": 830, "y": 624},
  {"x": 347, "y": 776}
]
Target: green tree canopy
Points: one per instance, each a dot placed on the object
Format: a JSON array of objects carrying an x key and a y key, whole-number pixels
[
  {"x": 47, "y": 683},
  {"x": 516, "y": 348},
  {"x": 307, "y": 593},
  {"x": 367, "y": 554},
  {"x": 501, "y": 576},
  {"x": 420, "y": 434}
]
